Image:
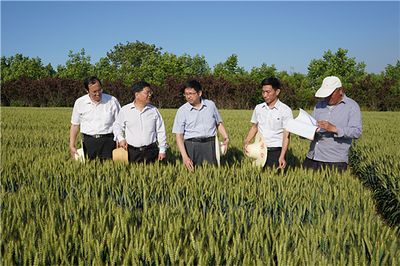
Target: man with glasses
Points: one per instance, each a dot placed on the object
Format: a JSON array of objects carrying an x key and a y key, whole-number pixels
[
  {"x": 143, "y": 127},
  {"x": 270, "y": 119},
  {"x": 339, "y": 121},
  {"x": 95, "y": 112},
  {"x": 196, "y": 122}
]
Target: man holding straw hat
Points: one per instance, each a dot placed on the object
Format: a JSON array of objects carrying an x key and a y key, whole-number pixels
[
  {"x": 95, "y": 112},
  {"x": 270, "y": 119}
]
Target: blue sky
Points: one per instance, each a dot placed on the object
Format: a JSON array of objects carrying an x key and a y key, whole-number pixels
[{"x": 288, "y": 34}]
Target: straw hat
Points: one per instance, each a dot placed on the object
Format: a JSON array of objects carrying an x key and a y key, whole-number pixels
[
  {"x": 258, "y": 150},
  {"x": 219, "y": 150},
  {"x": 81, "y": 155},
  {"x": 120, "y": 155}
]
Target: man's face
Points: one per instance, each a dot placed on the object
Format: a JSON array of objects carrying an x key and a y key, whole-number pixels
[
  {"x": 95, "y": 91},
  {"x": 269, "y": 94},
  {"x": 144, "y": 96},
  {"x": 335, "y": 97},
  {"x": 192, "y": 96}
]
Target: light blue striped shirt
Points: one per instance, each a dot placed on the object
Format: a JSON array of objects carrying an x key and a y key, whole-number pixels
[
  {"x": 331, "y": 147},
  {"x": 193, "y": 123}
]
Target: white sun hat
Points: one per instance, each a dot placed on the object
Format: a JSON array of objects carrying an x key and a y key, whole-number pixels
[
  {"x": 219, "y": 150},
  {"x": 120, "y": 154},
  {"x": 81, "y": 155},
  {"x": 328, "y": 86},
  {"x": 258, "y": 150}
]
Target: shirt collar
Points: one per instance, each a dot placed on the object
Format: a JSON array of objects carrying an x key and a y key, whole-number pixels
[
  {"x": 89, "y": 100},
  {"x": 276, "y": 106},
  {"x": 203, "y": 103}
]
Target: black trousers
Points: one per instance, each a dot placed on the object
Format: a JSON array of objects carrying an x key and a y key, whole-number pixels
[
  {"x": 147, "y": 153},
  {"x": 199, "y": 152},
  {"x": 273, "y": 159},
  {"x": 101, "y": 147},
  {"x": 317, "y": 165}
]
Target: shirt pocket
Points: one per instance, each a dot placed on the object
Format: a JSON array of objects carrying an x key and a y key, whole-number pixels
[
  {"x": 150, "y": 123},
  {"x": 108, "y": 118}
]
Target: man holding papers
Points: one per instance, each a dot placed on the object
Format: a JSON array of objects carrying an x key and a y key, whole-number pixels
[
  {"x": 339, "y": 121},
  {"x": 270, "y": 119}
]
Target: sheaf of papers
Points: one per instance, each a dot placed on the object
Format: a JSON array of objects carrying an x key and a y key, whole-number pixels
[{"x": 304, "y": 125}]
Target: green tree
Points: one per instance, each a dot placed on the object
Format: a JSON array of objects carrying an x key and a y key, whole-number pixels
[
  {"x": 132, "y": 60},
  {"x": 19, "y": 65},
  {"x": 195, "y": 66},
  {"x": 257, "y": 74},
  {"x": 392, "y": 72},
  {"x": 230, "y": 69},
  {"x": 77, "y": 67},
  {"x": 337, "y": 64}
]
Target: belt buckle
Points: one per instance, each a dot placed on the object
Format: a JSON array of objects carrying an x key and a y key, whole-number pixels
[
  {"x": 97, "y": 136},
  {"x": 142, "y": 149}
]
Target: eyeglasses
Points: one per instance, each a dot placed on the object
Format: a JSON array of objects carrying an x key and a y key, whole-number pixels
[
  {"x": 189, "y": 93},
  {"x": 96, "y": 92},
  {"x": 147, "y": 92}
]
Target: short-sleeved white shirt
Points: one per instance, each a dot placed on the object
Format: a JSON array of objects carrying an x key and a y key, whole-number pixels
[
  {"x": 95, "y": 118},
  {"x": 272, "y": 121}
]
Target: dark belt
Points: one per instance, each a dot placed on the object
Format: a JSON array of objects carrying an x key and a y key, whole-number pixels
[
  {"x": 201, "y": 139},
  {"x": 97, "y": 136},
  {"x": 274, "y": 148},
  {"x": 143, "y": 148}
]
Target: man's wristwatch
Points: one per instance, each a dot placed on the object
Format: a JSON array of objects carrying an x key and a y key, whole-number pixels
[{"x": 227, "y": 138}]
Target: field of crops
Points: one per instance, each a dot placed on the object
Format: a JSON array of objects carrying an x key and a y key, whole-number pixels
[{"x": 55, "y": 211}]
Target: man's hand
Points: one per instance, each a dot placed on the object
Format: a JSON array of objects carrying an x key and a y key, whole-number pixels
[
  {"x": 282, "y": 162},
  {"x": 161, "y": 156},
  {"x": 188, "y": 163},
  {"x": 327, "y": 126},
  {"x": 246, "y": 143},
  {"x": 73, "y": 152},
  {"x": 123, "y": 144},
  {"x": 226, "y": 144}
]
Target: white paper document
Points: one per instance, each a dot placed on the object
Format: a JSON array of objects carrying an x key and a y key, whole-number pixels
[{"x": 304, "y": 125}]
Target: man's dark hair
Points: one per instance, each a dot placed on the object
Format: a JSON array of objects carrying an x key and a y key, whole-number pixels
[
  {"x": 274, "y": 82},
  {"x": 91, "y": 81},
  {"x": 191, "y": 83},
  {"x": 138, "y": 87}
]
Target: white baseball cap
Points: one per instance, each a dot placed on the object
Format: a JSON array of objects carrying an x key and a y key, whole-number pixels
[{"x": 328, "y": 86}]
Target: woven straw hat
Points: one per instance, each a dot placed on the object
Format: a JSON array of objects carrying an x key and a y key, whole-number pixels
[
  {"x": 219, "y": 150},
  {"x": 258, "y": 150},
  {"x": 81, "y": 155},
  {"x": 120, "y": 155}
]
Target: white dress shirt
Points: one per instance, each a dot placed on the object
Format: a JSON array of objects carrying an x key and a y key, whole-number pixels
[
  {"x": 272, "y": 121},
  {"x": 95, "y": 118},
  {"x": 141, "y": 128}
]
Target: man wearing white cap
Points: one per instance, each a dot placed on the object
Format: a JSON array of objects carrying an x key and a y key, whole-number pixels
[
  {"x": 339, "y": 121},
  {"x": 270, "y": 119}
]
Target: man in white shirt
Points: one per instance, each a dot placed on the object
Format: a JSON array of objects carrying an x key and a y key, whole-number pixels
[
  {"x": 271, "y": 118},
  {"x": 95, "y": 112},
  {"x": 143, "y": 126}
]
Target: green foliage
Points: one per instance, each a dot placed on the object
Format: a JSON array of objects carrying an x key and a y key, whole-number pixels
[
  {"x": 77, "y": 67},
  {"x": 16, "y": 66},
  {"x": 337, "y": 64},
  {"x": 55, "y": 211}
]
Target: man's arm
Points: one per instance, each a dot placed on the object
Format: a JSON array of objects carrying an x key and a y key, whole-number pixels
[
  {"x": 224, "y": 134},
  {"x": 73, "y": 132},
  {"x": 252, "y": 132},
  {"x": 285, "y": 145},
  {"x": 181, "y": 146}
]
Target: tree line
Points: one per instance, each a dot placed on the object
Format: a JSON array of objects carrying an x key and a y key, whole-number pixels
[{"x": 27, "y": 82}]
